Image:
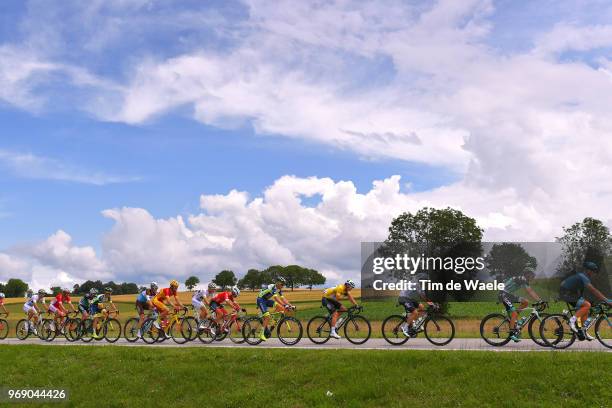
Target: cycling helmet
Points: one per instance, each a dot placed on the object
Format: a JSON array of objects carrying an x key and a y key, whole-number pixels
[
  {"x": 154, "y": 285},
  {"x": 42, "y": 292},
  {"x": 212, "y": 286},
  {"x": 592, "y": 266},
  {"x": 108, "y": 290},
  {"x": 93, "y": 291},
  {"x": 174, "y": 284},
  {"x": 235, "y": 291},
  {"x": 349, "y": 284},
  {"x": 65, "y": 290},
  {"x": 282, "y": 280},
  {"x": 1, "y": 295}
]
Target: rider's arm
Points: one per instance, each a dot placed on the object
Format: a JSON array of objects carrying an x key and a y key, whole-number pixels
[
  {"x": 281, "y": 300},
  {"x": 351, "y": 299},
  {"x": 597, "y": 293},
  {"x": 177, "y": 303},
  {"x": 233, "y": 304},
  {"x": 533, "y": 294}
]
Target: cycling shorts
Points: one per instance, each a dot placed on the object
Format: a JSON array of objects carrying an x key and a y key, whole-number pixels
[
  {"x": 264, "y": 304},
  {"x": 410, "y": 305},
  {"x": 508, "y": 299},
  {"x": 159, "y": 305},
  {"x": 331, "y": 305}
]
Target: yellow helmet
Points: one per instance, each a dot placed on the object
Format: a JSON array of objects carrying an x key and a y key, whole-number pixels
[{"x": 174, "y": 283}]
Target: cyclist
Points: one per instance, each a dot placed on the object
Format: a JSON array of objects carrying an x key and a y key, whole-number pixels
[
  {"x": 2, "y": 304},
  {"x": 201, "y": 299},
  {"x": 29, "y": 293},
  {"x": 85, "y": 303},
  {"x": 331, "y": 297},
  {"x": 411, "y": 300},
  {"x": 143, "y": 302},
  {"x": 161, "y": 299},
  {"x": 572, "y": 291},
  {"x": 31, "y": 308},
  {"x": 58, "y": 309},
  {"x": 217, "y": 302},
  {"x": 100, "y": 304},
  {"x": 508, "y": 297},
  {"x": 271, "y": 296}
]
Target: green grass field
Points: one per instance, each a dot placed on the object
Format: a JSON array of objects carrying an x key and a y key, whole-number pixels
[{"x": 141, "y": 376}]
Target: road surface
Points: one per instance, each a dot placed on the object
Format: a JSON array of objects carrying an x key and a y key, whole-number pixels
[{"x": 372, "y": 344}]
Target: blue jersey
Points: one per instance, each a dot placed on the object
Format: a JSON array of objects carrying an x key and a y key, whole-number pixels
[{"x": 576, "y": 283}]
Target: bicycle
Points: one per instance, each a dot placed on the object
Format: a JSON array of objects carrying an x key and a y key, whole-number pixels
[
  {"x": 230, "y": 327},
  {"x": 557, "y": 333},
  {"x": 132, "y": 326},
  {"x": 50, "y": 329},
  {"x": 288, "y": 329},
  {"x": 357, "y": 329},
  {"x": 25, "y": 328},
  {"x": 439, "y": 330},
  {"x": 495, "y": 328},
  {"x": 4, "y": 327},
  {"x": 177, "y": 328},
  {"x": 108, "y": 328}
]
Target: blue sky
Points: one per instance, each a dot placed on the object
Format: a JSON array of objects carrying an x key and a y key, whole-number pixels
[{"x": 158, "y": 139}]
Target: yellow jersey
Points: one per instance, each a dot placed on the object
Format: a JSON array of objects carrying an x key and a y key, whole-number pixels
[{"x": 337, "y": 292}]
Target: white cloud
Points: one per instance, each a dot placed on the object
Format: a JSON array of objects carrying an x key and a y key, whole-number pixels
[{"x": 28, "y": 165}]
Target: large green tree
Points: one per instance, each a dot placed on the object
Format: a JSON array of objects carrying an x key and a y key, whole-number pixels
[
  {"x": 432, "y": 232},
  {"x": 508, "y": 259},
  {"x": 192, "y": 282},
  {"x": 225, "y": 279},
  {"x": 252, "y": 280},
  {"x": 15, "y": 288}
]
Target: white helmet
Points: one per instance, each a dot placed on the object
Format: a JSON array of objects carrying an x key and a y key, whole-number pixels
[
  {"x": 154, "y": 285},
  {"x": 212, "y": 285},
  {"x": 1, "y": 295},
  {"x": 350, "y": 284},
  {"x": 235, "y": 291}
]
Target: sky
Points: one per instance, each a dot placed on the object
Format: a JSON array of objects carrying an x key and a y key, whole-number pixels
[{"x": 148, "y": 140}]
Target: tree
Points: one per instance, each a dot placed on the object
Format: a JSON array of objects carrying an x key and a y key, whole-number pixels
[
  {"x": 55, "y": 290},
  {"x": 435, "y": 233},
  {"x": 2, "y": 287},
  {"x": 225, "y": 279},
  {"x": 252, "y": 280},
  {"x": 313, "y": 278},
  {"x": 508, "y": 259},
  {"x": 15, "y": 288},
  {"x": 589, "y": 240},
  {"x": 128, "y": 288},
  {"x": 192, "y": 282}
]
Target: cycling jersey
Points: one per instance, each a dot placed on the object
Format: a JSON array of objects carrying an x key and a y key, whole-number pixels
[
  {"x": 515, "y": 283},
  {"x": 100, "y": 299},
  {"x": 59, "y": 299},
  {"x": 575, "y": 283},
  {"x": 164, "y": 294},
  {"x": 144, "y": 296},
  {"x": 199, "y": 295},
  {"x": 85, "y": 302},
  {"x": 1, "y": 301},
  {"x": 221, "y": 297},
  {"x": 336, "y": 292},
  {"x": 269, "y": 291},
  {"x": 34, "y": 299}
]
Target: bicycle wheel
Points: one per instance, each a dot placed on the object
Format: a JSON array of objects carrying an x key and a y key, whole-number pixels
[
  {"x": 603, "y": 330},
  {"x": 495, "y": 329},
  {"x": 22, "y": 330},
  {"x": 289, "y": 330},
  {"x": 86, "y": 334},
  {"x": 4, "y": 329},
  {"x": 112, "y": 330},
  {"x": 71, "y": 329},
  {"x": 178, "y": 332},
  {"x": 555, "y": 331},
  {"x": 318, "y": 329},
  {"x": 48, "y": 330},
  {"x": 193, "y": 327},
  {"x": 439, "y": 330},
  {"x": 392, "y": 330},
  {"x": 251, "y": 329},
  {"x": 150, "y": 333},
  {"x": 534, "y": 330},
  {"x": 235, "y": 331},
  {"x": 357, "y": 330},
  {"x": 130, "y": 329},
  {"x": 209, "y": 332}
]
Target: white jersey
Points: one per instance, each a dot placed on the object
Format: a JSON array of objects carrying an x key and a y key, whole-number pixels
[
  {"x": 199, "y": 295},
  {"x": 35, "y": 299}
]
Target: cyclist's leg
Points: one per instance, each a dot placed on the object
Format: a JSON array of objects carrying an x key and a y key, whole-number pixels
[
  {"x": 583, "y": 310},
  {"x": 508, "y": 301}
]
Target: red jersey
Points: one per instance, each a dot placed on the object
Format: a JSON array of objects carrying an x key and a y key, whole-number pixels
[
  {"x": 222, "y": 297},
  {"x": 164, "y": 294},
  {"x": 59, "y": 299}
]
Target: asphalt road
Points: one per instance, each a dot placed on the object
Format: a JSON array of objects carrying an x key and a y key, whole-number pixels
[{"x": 305, "y": 343}]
